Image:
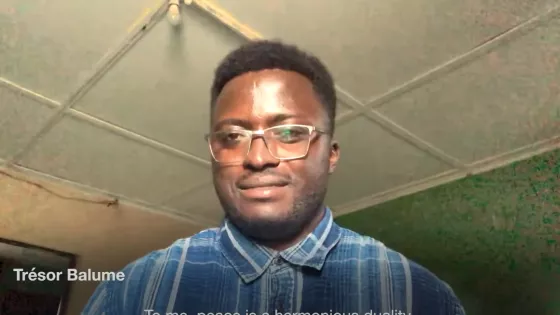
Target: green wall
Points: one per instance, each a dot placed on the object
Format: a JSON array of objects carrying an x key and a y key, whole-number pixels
[{"x": 493, "y": 237}]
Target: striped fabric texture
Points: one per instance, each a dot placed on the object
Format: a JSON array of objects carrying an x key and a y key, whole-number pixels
[{"x": 333, "y": 271}]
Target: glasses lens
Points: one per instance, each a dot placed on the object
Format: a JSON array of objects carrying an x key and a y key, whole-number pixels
[
  {"x": 288, "y": 141},
  {"x": 229, "y": 146}
]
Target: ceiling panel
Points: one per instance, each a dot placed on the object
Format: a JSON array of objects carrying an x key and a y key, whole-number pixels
[
  {"x": 342, "y": 109},
  {"x": 82, "y": 153},
  {"x": 375, "y": 161},
  {"x": 161, "y": 89},
  {"x": 201, "y": 203},
  {"x": 20, "y": 119},
  {"x": 372, "y": 46},
  {"x": 47, "y": 45},
  {"x": 508, "y": 99}
]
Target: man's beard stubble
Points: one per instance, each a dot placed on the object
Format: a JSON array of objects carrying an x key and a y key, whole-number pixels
[{"x": 304, "y": 210}]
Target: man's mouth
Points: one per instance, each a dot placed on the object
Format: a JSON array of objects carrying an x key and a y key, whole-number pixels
[{"x": 262, "y": 188}]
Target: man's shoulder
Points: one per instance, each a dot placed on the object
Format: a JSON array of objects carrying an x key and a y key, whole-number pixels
[
  {"x": 369, "y": 248},
  {"x": 143, "y": 276},
  {"x": 201, "y": 243},
  {"x": 352, "y": 243},
  {"x": 425, "y": 286}
]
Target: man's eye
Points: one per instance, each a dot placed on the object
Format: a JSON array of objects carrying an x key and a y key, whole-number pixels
[
  {"x": 288, "y": 135},
  {"x": 231, "y": 136}
]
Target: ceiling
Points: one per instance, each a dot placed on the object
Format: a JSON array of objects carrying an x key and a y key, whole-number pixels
[{"x": 108, "y": 95}]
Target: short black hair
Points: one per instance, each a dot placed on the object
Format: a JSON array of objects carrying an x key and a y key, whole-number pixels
[{"x": 273, "y": 54}]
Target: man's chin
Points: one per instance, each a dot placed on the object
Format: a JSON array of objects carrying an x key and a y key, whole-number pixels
[
  {"x": 265, "y": 211},
  {"x": 265, "y": 223}
]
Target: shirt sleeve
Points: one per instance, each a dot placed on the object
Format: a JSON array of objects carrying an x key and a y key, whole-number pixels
[
  {"x": 431, "y": 295},
  {"x": 452, "y": 305},
  {"x": 126, "y": 297},
  {"x": 120, "y": 297}
]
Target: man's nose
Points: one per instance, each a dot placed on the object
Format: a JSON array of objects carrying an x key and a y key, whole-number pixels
[{"x": 259, "y": 156}]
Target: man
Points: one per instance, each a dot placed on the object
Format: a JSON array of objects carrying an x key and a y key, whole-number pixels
[{"x": 278, "y": 249}]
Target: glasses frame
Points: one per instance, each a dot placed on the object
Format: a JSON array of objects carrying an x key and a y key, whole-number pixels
[{"x": 252, "y": 134}]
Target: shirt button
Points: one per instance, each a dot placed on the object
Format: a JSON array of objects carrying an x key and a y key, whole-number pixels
[{"x": 277, "y": 260}]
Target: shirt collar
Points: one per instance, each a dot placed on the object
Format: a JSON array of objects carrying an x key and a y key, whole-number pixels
[{"x": 251, "y": 260}]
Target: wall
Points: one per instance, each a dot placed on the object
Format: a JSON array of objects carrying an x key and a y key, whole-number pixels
[
  {"x": 104, "y": 238},
  {"x": 494, "y": 237}
]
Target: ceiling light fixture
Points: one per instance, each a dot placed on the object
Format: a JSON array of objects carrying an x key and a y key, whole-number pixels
[{"x": 174, "y": 13}]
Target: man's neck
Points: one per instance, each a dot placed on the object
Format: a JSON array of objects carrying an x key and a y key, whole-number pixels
[{"x": 280, "y": 246}]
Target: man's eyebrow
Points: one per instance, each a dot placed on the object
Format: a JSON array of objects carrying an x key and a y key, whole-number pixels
[
  {"x": 279, "y": 118},
  {"x": 271, "y": 121},
  {"x": 232, "y": 122}
]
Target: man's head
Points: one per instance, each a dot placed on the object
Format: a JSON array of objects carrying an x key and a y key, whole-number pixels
[{"x": 272, "y": 183}]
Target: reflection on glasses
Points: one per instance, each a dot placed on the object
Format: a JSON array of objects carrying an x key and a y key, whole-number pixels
[{"x": 284, "y": 142}]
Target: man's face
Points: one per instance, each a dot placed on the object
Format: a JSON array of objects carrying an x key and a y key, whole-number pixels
[{"x": 264, "y": 197}]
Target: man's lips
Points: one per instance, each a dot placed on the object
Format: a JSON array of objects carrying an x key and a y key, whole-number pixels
[
  {"x": 264, "y": 188},
  {"x": 263, "y": 183}
]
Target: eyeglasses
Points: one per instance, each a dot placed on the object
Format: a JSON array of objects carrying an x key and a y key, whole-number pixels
[{"x": 284, "y": 142}]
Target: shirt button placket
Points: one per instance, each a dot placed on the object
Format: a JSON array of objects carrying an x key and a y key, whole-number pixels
[{"x": 278, "y": 261}]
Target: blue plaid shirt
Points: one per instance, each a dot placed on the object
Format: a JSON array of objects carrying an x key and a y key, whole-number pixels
[{"x": 333, "y": 270}]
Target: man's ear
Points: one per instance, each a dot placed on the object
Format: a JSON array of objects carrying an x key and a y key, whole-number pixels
[{"x": 334, "y": 156}]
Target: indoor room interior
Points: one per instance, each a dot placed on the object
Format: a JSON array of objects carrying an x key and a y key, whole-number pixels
[{"x": 448, "y": 120}]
